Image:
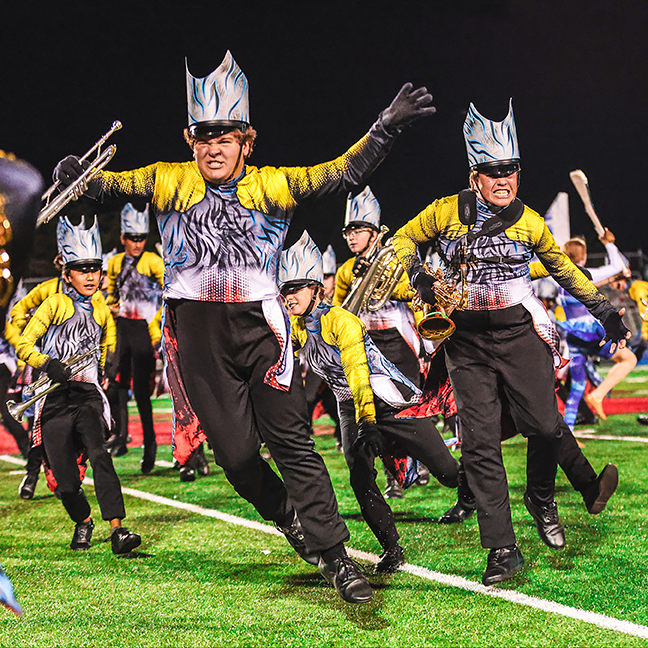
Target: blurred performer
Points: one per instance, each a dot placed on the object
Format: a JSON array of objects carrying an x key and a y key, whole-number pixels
[
  {"x": 223, "y": 224},
  {"x": 135, "y": 282},
  {"x": 370, "y": 392},
  {"x": 329, "y": 265},
  {"x": 76, "y": 414},
  {"x": 486, "y": 237},
  {"x": 391, "y": 327}
]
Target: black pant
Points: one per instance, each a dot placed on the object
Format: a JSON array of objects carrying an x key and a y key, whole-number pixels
[
  {"x": 10, "y": 424},
  {"x": 72, "y": 420},
  {"x": 420, "y": 440},
  {"x": 392, "y": 345},
  {"x": 492, "y": 352},
  {"x": 136, "y": 358},
  {"x": 225, "y": 351}
]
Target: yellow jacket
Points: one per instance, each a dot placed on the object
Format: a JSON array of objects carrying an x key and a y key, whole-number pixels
[{"x": 638, "y": 291}]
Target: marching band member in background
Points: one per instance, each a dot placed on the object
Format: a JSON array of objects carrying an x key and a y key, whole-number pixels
[
  {"x": 76, "y": 413},
  {"x": 370, "y": 392},
  {"x": 392, "y": 327},
  {"x": 584, "y": 332},
  {"x": 487, "y": 236},
  {"x": 222, "y": 225},
  {"x": 135, "y": 282}
]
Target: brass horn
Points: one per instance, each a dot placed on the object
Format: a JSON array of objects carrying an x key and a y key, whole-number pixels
[
  {"x": 73, "y": 191},
  {"x": 77, "y": 363}
]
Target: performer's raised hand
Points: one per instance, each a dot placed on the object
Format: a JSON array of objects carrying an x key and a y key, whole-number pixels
[
  {"x": 408, "y": 106},
  {"x": 615, "y": 330}
]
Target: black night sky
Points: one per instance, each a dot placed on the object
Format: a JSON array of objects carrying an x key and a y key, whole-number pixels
[{"x": 320, "y": 73}]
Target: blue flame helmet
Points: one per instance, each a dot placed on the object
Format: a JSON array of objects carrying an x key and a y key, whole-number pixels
[
  {"x": 78, "y": 244},
  {"x": 362, "y": 210},
  {"x": 329, "y": 266},
  {"x": 219, "y": 102},
  {"x": 492, "y": 146},
  {"x": 301, "y": 264},
  {"x": 133, "y": 221}
]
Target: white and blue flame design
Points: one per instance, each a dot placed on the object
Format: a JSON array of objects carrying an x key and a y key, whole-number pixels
[
  {"x": 78, "y": 242},
  {"x": 221, "y": 95},
  {"x": 302, "y": 261},
  {"x": 133, "y": 221},
  {"x": 363, "y": 208},
  {"x": 329, "y": 265},
  {"x": 488, "y": 141}
]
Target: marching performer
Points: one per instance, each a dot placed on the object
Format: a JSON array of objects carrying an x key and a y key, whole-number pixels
[
  {"x": 135, "y": 282},
  {"x": 486, "y": 236},
  {"x": 222, "y": 224},
  {"x": 584, "y": 333},
  {"x": 370, "y": 392},
  {"x": 76, "y": 413}
]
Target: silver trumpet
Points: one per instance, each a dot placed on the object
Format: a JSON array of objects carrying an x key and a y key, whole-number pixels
[
  {"x": 77, "y": 363},
  {"x": 72, "y": 192}
]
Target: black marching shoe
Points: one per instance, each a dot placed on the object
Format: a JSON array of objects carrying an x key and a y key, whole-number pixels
[
  {"x": 460, "y": 512},
  {"x": 295, "y": 536},
  {"x": 347, "y": 578},
  {"x": 148, "y": 458},
  {"x": 502, "y": 564},
  {"x": 551, "y": 532},
  {"x": 597, "y": 494},
  {"x": 424, "y": 475},
  {"x": 187, "y": 473},
  {"x": 199, "y": 461},
  {"x": 28, "y": 486},
  {"x": 394, "y": 490},
  {"x": 123, "y": 540},
  {"x": 391, "y": 560},
  {"x": 82, "y": 536}
]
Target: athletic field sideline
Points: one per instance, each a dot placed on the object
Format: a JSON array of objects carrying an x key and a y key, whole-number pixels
[{"x": 205, "y": 579}]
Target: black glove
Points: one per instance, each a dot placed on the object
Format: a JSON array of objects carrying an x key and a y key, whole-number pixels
[
  {"x": 408, "y": 106},
  {"x": 615, "y": 329},
  {"x": 69, "y": 169},
  {"x": 369, "y": 439},
  {"x": 57, "y": 371},
  {"x": 423, "y": 283},
  {"x": 360, "y": 266}
]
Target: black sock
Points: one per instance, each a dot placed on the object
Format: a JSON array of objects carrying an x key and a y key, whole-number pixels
[
  {"x": 288, "y": 519},
  {"x": 336, "y": 551}
]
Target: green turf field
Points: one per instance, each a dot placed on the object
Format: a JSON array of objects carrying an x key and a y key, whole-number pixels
[{"x": 203, "y": 582}]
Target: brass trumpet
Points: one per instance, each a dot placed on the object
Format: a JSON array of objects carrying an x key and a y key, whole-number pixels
[
  {"x": 437, "y": 325},
  {"x": 72, "y": 192},
  {"x": 77, "y": 362}
]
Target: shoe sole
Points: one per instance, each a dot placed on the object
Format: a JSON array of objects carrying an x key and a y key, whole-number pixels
[{"x": 608, "y": 485}]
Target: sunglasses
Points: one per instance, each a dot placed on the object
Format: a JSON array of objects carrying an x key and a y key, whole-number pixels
[
  {"x": 136, "y": 238},
  {"x": 291, "y": 290},
  {"x": 503, "y": 171}
]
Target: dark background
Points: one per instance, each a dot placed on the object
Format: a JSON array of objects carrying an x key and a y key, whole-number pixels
[{"x": 320, "y": 73}]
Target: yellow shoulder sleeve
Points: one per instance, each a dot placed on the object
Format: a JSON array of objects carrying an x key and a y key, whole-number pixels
[{"x": 343, "y": 280}]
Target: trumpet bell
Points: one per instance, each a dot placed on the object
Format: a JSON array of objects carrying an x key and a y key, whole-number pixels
[{"x": 436, "y": 326}]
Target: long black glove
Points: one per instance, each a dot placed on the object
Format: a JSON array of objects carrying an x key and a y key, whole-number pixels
[
  {"x": 69, "y": 169},
  {"x": 369, "y": 439},
  {"x": 615, "y": 329},
  {"x": 57, "y": 371},
  {"x": 408, "y": 106},
  {"x": 424, "y": 285},
  {"x": 360, "y": 266}
]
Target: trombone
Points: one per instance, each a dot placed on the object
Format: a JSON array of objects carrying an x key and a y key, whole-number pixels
[
  {"x": 77, "y": 362},
  {"x": 73, "y": 191}
]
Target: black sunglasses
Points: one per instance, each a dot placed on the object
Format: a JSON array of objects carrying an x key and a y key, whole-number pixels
[{"x": 136, "y": 238}]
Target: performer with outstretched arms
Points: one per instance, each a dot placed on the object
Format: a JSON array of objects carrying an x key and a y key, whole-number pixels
[
  {"x": 222, "y": 225},
  {"x": 370, "y": 392},
  {"x": 486, "y": 236},
  {"x": 76, "y": 414},
  {"x": 135, "y": 281}
]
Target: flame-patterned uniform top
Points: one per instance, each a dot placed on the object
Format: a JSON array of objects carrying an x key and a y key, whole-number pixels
[
  {"x": 66, "y": 325},
  {"x": 498, "y": 276},
  {"x": 222, "y": 243},
  {"x": 339, "y": 350},
  {"x": 396, "y": 313},
  {"x": 140, "y": 295}
]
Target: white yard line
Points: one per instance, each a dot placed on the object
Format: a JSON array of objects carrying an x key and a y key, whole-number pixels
[
  {"x": 593, "y": 618},
  {"x": 592, "y": 436}
]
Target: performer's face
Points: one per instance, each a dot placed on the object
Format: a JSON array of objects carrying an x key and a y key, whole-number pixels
[
  {"x": 220, "y": 158},
  {"x": 298, "y": 302},
  {"x": 329, "y": 286},
  {"x": 498, "y": 191},
  {"x": 85, "y": 281},
  {"x": 133, "y": 246},
  {"x": 360, "y": 238}
]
